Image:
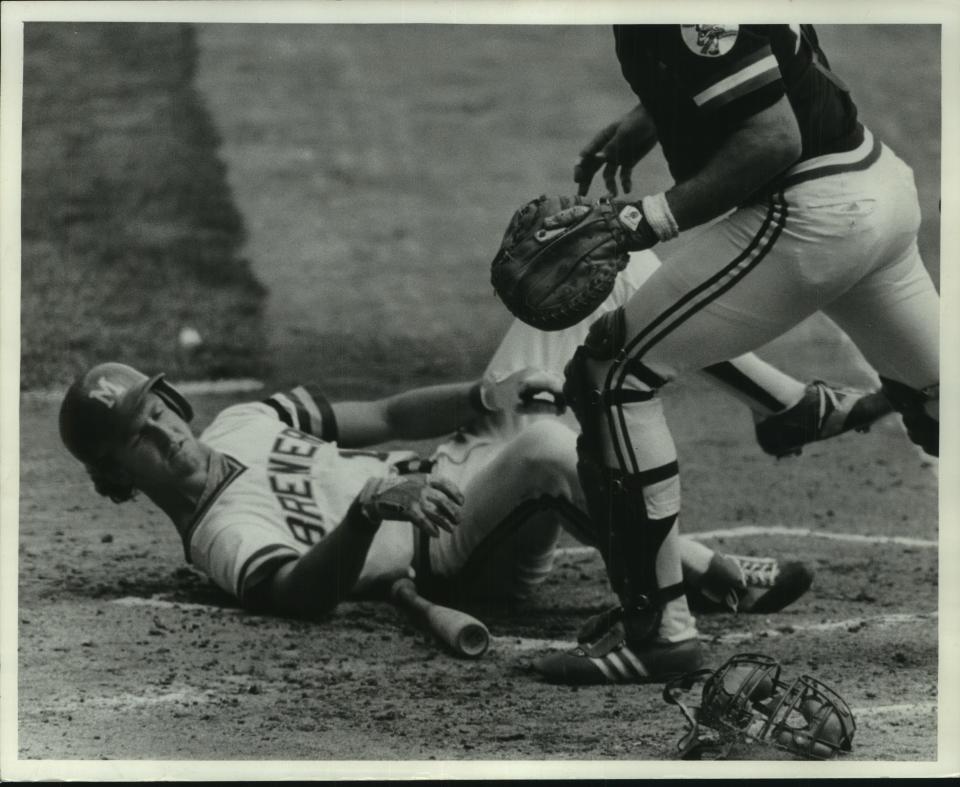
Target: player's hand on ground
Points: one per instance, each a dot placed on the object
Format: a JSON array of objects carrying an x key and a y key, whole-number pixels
[
  {"x": 431, "y": 502},
  {"x": 525, "y": 392},
  {"x": 617, "y": 148}
]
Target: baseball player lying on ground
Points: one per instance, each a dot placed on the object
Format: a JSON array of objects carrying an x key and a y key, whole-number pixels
[{"x": 279, "y": 504}]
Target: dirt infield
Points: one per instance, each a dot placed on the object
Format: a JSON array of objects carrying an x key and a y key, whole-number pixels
[
  {"x": 374, "y": 169},
  {"x": 126, "y": 655}
]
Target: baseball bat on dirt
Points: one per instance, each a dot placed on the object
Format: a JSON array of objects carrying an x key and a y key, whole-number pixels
[{"x": 462, "y": 633}]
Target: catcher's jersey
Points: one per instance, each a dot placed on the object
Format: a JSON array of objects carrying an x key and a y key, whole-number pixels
[
  {"x": 699, "y": 81},
  {"x": 276, "y": 489}
]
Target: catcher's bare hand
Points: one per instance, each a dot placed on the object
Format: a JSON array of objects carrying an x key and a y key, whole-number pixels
[
  {"x": 525, "y": 392},
  {"x": 432, "y": 503},
  {"x": 617, "y": 147}
]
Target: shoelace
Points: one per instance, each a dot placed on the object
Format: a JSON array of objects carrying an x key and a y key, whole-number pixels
[
  {"x": 833, "y": 410},
  {"x": 828, "y": 404},
  {"x": 758, "y": 571}
]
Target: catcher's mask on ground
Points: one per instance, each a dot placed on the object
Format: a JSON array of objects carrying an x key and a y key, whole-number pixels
[
  {"x": 101, "y": 405},
  {"x": 745, "y": 702}
]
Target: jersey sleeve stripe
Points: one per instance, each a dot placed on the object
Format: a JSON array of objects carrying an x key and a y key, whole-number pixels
[
  {"x": 753, "y": 76},
  {"x": 300, "y": 415},
  {"x": 328, "y": 421},
  {"x": 282, "y": 411},
  {"x": 307, "y": 409},
  {"x": 262, "y": 564},
  {"x": 297, "y": 415},
  {"x": 745, "y": 88},
  {"x": 305, "y": 400}
]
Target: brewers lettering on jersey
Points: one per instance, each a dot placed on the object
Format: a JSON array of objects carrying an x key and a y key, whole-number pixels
[{"x": 279, "y": 490}]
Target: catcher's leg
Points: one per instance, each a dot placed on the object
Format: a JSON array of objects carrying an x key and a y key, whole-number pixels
[
  {"x": 788, "y": 414},
  {"x": 893, "y": 317},
  {"x": 628, "y": 471}
]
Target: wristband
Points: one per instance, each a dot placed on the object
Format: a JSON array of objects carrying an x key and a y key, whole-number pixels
[
  {"x": 476, "y": 399},
  {"x": 657, "y": 212}
]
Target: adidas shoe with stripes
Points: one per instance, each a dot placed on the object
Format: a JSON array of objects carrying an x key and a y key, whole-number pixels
[{"x": 610, "y": 659}]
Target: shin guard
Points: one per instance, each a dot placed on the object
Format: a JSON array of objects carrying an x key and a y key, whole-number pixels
[{"x": 618, "y": 497}]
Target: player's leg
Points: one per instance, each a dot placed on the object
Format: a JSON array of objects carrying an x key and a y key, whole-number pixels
[
  {"x": 504, "y": 545},
  {"x": 789, "y": 414},
  {"x": 524, "y": 537},
  {"x": 713, "y": 300},
  {"x": 759, "y": 385},
  {"x": 892, "y": 311},
  {"x": 893, "y": 317},
  {"x": 632, "y": 484}
]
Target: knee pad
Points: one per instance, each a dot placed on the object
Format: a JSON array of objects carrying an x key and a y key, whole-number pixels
[
  {"x": 588, "y": 396},
  {"x": 912, "y": 404},
  {"x": 580, "y": 390},
  {"x": 607, "y": 335}
]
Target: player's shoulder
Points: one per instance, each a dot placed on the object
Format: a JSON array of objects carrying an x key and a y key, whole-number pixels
[
  {"x": 302, "y": 407},
  {"x": 235, "y": 417},
  {"x": 704, "y": 45},
  {"x": 307, "y": 408}
]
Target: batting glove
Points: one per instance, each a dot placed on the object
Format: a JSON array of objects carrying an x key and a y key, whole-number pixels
[{"x": 431, "y": 502}]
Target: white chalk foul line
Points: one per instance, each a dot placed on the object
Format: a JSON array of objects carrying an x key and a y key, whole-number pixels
[
  {"x": 778, "y": 530},
  {"x": 905, "y": 709},
  {"x": 853, "y": 624},
  {"x": 521, "y": 644},
  {"x": 185, "y": 696},
  {"x": 161, "y": 603},
  {"x": 534, "y": 643},
  {"x": 525, "y": 644}
]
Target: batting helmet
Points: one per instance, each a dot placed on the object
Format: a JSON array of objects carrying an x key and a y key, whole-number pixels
[{"x": 100, "y": 406}]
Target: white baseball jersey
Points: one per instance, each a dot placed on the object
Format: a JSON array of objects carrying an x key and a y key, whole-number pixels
[{"x": 282, "y": 485}]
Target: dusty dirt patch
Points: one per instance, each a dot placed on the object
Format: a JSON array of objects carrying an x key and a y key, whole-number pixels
[{"x": 368, "y": 164}]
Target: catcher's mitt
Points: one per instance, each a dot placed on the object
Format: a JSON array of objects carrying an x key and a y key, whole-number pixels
[{"x": 552, "y": 274}]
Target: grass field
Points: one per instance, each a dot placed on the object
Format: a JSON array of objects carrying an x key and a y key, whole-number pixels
[
  {"x": 129, "y": 231},
  {"x": 377, "y": 166},
  {"x": 374, "y": 168}
]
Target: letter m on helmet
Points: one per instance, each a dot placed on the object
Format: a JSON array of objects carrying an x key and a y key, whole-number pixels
[{"x": 107, "y": 392}]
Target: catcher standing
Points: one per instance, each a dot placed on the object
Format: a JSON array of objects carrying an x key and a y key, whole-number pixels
[{"x": 809, "y": 212}]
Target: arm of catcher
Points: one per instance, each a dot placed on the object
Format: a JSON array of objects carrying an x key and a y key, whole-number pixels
[{"x": 760, "y": 149}]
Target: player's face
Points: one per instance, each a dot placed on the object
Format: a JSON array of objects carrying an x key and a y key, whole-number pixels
[{"x": 160, "y": 448}]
